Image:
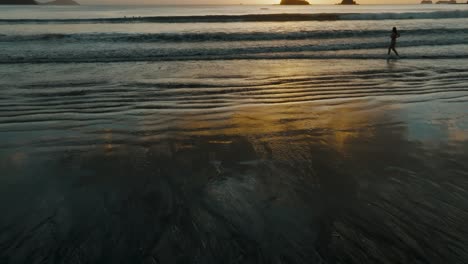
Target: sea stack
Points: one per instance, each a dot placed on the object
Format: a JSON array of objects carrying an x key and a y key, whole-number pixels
[
  {"x": 294, "y": 2},
  {"x": 18, "y": 2},
  {"x": 348, "y": 2},
  {"x": 61, "y": 2}
]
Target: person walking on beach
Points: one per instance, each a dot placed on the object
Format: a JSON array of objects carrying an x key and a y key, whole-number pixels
[{"x": 394, "y": 37}]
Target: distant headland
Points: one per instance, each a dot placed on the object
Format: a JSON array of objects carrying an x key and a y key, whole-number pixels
[
  {"x": 294, "y": 2},
  {"x": 18, "y": 2},
  {"x": 33, "y": 2}
]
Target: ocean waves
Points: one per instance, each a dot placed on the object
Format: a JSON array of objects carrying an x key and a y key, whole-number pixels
[
  {"x": 369, "y": 39},
  {"x": 283, "y": 17},
  {"x": 223, "y": 36},
  {"x": 418, "y": 49},
  {"x": 419, "y": 43},
  {"x": 139, "y": 39}
]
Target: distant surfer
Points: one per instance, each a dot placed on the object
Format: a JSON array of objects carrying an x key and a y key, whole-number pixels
[{"x": 394, "y": 37}]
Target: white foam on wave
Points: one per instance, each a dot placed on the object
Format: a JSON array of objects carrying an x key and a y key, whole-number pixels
[
  {"x": 221, "y": 36},
  {"x": 283, "y": 17},
  {"x": 409, "y": 15}
]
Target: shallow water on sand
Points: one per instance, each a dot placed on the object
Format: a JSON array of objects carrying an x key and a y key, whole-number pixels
[{"x": 267, "y": 161}]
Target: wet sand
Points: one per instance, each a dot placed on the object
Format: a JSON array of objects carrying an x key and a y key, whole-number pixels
[{"x": 277, "y": 161}]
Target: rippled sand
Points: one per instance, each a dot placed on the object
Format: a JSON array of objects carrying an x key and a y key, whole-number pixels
[{"x": 269, "y": 161}]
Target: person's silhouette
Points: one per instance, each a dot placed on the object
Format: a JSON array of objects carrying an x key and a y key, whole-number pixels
[{"x": 394, "y": 37}]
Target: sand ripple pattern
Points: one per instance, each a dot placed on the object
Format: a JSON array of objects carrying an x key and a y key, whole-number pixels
[{"x": 85, "y": 103}]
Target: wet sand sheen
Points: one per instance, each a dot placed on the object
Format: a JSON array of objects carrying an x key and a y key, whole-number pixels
[{"x": 282, "y": 162}]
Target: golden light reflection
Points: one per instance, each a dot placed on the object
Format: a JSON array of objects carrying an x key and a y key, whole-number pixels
[
  {"x": 108, "y": 146},
  {"x": 455, "y": 133},
  {"x": 292, "y": 124}
]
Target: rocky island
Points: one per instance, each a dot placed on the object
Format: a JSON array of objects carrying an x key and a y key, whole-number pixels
[
  {"x": 294, "y": 2},
  {"x": 348, "y": 2},
  {"x": 61, "y": 2}
]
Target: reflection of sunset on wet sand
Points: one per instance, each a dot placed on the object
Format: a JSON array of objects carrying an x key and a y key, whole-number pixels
[
  {"x": 292, "y": 124},
  {"x": 282, "y": 162}
]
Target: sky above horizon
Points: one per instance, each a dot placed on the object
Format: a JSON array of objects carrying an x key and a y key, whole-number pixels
[{"x": 234, "y": 2}]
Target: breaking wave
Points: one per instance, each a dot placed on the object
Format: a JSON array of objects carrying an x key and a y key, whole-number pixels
[
  {"x": 223, "y": 36},
  {"x": 250, "y": 18}
]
